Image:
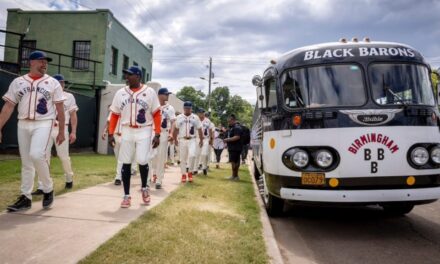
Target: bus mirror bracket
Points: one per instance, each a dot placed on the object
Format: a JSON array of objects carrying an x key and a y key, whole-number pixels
[{"x": 257, "y": 81}]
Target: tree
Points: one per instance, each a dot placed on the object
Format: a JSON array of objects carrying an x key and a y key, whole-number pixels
[{"x": 189, "y": 93}]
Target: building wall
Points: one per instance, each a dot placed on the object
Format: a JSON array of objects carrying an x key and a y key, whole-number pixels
[
  {"x": 56, "y": 31},
  {"x": 126, "y": 44}
]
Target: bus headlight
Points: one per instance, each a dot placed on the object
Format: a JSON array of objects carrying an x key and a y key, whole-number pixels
[
  {"x": 324, "y": 158},
  {"x": 300, "y": 158},
  {"x": 419, "y": 156},
  {"x": 435, "y": 154}
]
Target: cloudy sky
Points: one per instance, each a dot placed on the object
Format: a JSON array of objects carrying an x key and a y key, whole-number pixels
[{"x": 243, "y": 36}]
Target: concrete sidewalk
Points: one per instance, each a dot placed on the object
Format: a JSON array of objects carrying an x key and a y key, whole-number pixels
[{"x": 78, "y": 223}]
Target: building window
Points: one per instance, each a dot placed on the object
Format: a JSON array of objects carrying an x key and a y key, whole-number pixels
[
  {"x": 143, "y": 74},
  {"x": 81, "y": 54},
  {"x": 114, "y": 61},
  {"x": 27, "y": 47},
  {"x": 135, "y": 63},
  {"x": 125, "y": 62},
  {"x": 148, "y": 77}
]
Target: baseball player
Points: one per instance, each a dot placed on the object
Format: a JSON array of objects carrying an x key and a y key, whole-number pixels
[
  {"x": 38, "y": 96},
  {"x": 185, "y": 138},
  {"x": 137, "y": 106},
  {"x": 70, "y": 109},
  {"x": 166, "y": 134},
  {"x": 207, "y": 128}
]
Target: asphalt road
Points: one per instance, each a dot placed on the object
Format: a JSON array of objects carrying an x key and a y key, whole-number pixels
[{"x": 358, "y": 235}]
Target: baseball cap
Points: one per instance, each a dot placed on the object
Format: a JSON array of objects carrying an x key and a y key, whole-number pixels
[
  {"x": 163, "y": 91},
  {"x": 133, "y": 70},
  {"x": 187, "y": 104},
  {"x": 39, "y": 55},
  {"x": 200, "y": 110}
]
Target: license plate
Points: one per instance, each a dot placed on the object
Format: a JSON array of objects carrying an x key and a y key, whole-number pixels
[{"x": 312, "y": 178}]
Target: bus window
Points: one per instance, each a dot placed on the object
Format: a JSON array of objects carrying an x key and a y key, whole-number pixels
[
  {"x": 324, "y": 86},
  {"x": 400, "y": 84},
  {"x": 271, "y": 94}
]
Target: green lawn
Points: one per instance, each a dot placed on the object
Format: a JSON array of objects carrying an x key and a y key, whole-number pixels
[
  {"x": 89, "y": 169},
  {"x": 212, "y": 220}
]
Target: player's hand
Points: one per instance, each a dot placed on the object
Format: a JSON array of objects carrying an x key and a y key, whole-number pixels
[
  {"x": 104, "y": 135},
  {"x": 176, "y": 142},
  {"x": 201, "y": 143},
  {"x": 111, "y": 141},
  {"x": 60, "y": 138},
  {"x": 156, "y": 141},
  {"x": 72, "y": 138},
  {"x": 170, "y": 138},
  {"x": 211, "y": 142}
]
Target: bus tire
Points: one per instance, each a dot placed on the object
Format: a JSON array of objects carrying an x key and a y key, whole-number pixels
[
  {"x": 274, "y": 206},
  {"x": 397, "y": 209}
]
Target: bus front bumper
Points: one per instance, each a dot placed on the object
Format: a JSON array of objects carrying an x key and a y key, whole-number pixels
[{"x": 361, "y": 196}]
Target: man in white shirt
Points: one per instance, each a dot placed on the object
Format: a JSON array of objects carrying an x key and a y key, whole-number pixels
[{"x": 38, "y": 96}]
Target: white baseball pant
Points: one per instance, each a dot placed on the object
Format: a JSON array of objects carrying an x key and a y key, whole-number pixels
[
  {"x": 161, "y": 157},
  {"x": 62, "y": 152},
  {"x": 172, "y": 153},
  {"x": 118, "y": 162},
  {"x": 204, "y": 153},
  {"x": 187, "y": 151},
  {"x": 135, "y": 145},
  {"x": 33, "y": 137}
]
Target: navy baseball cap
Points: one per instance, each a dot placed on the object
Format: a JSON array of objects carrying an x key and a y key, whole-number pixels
[
  {"x": 133, "y": 70},
  {"x": 187, "y": 104},
  {"x": 39, "y": 55},
  {"x": 163, "y": 91},
  {"x": 200, "y": 110}
]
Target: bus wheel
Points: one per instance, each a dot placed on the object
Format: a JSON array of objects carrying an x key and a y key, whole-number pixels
[
  {"x": 256, "y": 172},
  {"x": 397, "y": 209},
  {"x": 274, "y": 205}
]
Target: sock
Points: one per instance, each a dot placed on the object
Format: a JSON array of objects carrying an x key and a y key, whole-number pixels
[
  {"x": 126, "y": 175},
  {"x": 143, "y": 170}
]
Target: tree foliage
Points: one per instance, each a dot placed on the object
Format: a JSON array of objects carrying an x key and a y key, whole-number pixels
[{"x": 222, "y": 104}]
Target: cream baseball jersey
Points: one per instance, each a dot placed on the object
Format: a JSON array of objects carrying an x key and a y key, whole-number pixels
[
  {"x": 135, "y": 108},
  {"x": 188, "y": 125},
  {"x": 36, "y": 99},
  {"x": 69, "y": 106},
  {"x": 168, "y": 114},
  {"x": 206, "y": 126}
]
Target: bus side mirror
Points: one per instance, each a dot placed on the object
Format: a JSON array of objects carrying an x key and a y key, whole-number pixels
[{"x": 261, "y": 100}]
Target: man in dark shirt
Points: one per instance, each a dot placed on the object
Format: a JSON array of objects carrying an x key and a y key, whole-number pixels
[{"x": 235, "y": 146}]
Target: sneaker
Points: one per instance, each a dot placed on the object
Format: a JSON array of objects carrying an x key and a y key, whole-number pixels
[
  {"x": 205, "y": 172},
  {"x": 233, "y": 178},
  {"x": 69, "y": 185},
  {"x": 38, "y": 192},
  {"x": 183, "y": 178},
  {"x": 118, "y": 182},
  {"x": 154, "y": 178},
  {"x": 190, "y": 177},
  {"x": 47, "y": 200},
  {"x": 217, "y": 166},
  {"x": 146, "y": 196},
  {"x": 22, "y": 203},
  {"x": 126, "y": 202},
  {"x": 195, "y": 173},
  {"x": 158, "y": 186}
]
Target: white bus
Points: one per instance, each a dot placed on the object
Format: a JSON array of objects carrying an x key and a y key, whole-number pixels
[{"x": 349, "y": 122}]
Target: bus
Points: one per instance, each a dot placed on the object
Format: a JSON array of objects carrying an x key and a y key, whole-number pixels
[{"x": 348, "y": 123}]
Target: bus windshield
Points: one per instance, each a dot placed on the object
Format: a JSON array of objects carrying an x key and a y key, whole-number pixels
[
  {"x": 324, "y": 86},
  {"x": 402, "y": 84}
]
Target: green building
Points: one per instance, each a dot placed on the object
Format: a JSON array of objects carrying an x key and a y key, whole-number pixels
[
  {"x": 94, "y": 35},
  {"x": 90, "y": 48}
]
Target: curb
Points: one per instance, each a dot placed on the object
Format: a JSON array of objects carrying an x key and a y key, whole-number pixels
[{"x": 273, "y": 251}]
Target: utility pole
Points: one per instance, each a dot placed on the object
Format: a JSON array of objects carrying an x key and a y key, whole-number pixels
[{"x": 209, "y": 89}]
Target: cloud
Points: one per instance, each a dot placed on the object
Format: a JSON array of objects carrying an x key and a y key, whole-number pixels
[{"x": 242, "y": 36}]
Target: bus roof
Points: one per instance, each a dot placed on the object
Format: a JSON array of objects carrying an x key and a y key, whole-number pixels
[{"x": 348, "y": 52}]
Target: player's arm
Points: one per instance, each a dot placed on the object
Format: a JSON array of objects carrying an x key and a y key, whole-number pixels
[
  {"x": 61, "y": 121},
  {"x": 211, "y": 136},
  {"x": 200, "y": 136},
  {"x": 175, "y": 132},
  {"x": 171, "y": 134},
  {"x": 114, "y": 118},
  {"x": 5, "y": 114},
  {"x": 74, "y": 125},
  {"x": 157, "y": 119}
]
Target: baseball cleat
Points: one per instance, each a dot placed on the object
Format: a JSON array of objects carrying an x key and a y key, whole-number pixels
[
  {"x": 69, "y": 185},
  {"x": 154, "y": 178},
  {"x": 183, "y": 178},
  {"x": 126, "y": 202},
  {"x": 118, "y": 182},
  {"x": 190, "y": 177},
  {"x": 22, "y": 203},
  {"x": 158, "y": 186},
  {"x": 146, "y": 197},
  {"x": 205, "y": 172},
  {"x": 47, "y": 200}
]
